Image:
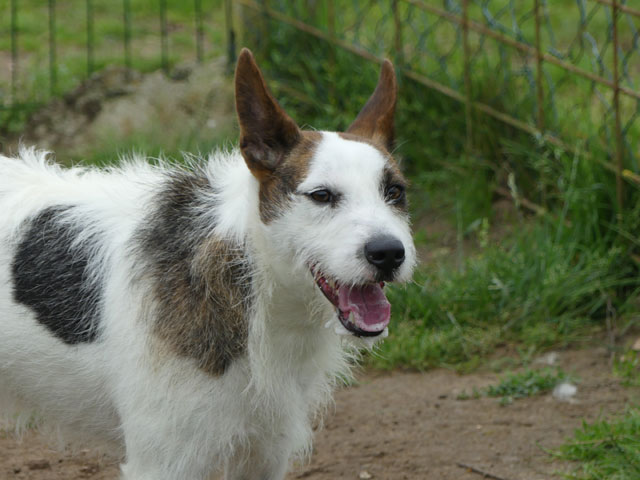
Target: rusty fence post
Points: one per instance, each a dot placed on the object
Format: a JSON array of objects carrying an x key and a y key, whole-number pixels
[
  {"x": 539, "y": 72},
  {"x": 331, "y": 28},
  {"x": 619, "y": 152},
  {"x": 126, "y": 23},
  {"x": 331, "y": 18},
  {"x": 265, "y": 31},
  {"x": 53, "y": 69},
  {"x": 14, "y": 51},
  {"x": 397, "y": 34},
  {"x": 231, "y": 35},
  {"x": 467, "y": 76},
  {"x": 90, "y": 37},
  {"x": 197, "y": 13},
  {"x": 164, "y": 37}
]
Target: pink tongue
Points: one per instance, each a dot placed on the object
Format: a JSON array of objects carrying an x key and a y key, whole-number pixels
[{"x": 369, "y": 305}]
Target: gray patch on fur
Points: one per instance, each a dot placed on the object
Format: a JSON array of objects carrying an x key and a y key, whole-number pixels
[
  {"x": 51, "y": 276},
  {"x": 201, "y": 284}
]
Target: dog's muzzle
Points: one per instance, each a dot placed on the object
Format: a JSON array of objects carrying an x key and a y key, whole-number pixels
[{"x": 362, "y": 309}]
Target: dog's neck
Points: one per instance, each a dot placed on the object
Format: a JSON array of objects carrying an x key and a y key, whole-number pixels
[
  {"x": 287, "y": 334},
  {"x": 288, "y": 313}
]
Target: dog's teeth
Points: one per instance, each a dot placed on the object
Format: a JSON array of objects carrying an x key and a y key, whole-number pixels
[{"x": 351, "y": 318}]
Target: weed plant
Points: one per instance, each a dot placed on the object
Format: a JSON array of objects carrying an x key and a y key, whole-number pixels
[
  {"x": 627, "y": 367},
  {"x": 526, "y": 384},
  {"x": 606, "y": 449},
  {"x": 553, "y": 282}
]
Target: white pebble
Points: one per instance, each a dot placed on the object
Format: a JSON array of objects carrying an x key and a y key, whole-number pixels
[{"x": 565, "y": 391}]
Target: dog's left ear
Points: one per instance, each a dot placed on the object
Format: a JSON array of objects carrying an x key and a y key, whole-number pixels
[
  {"x": 267, "y": 133},
  {"x": 375, "y": 120}
]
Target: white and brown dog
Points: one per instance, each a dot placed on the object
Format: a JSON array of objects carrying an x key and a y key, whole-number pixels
[{"x": 196, "y": 318}]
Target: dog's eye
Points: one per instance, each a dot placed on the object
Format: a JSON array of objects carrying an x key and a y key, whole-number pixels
[
  {"x": 394, "y": 194},
  {"x": 321, "y": 196}
]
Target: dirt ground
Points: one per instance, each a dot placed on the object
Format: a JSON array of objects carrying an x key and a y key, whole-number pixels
[{"x": 402, "y": 425}]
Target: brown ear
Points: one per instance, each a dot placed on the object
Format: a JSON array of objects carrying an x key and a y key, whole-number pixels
[
  {"x": 375, "y": 120},
  {"x": 267, "y": 133}
]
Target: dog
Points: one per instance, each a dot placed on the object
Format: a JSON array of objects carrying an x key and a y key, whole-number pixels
[{"x": 196, "y": 317}]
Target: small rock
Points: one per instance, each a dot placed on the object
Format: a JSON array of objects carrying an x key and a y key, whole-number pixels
[
  {"x": 42, "y": 464},
  {"x": 636, "y": 346},
  {"x": 90, "y": 469},
  {"x": 564, "y": 391},
  {"x": 550, "y": 359},
  {"x": 364, "y": 475}
]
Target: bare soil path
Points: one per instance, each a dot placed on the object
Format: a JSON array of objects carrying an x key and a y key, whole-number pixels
[{"x": 402, "y": 425}]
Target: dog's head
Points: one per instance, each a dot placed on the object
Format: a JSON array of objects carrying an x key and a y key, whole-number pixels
[{"x": 333, "y": 204}]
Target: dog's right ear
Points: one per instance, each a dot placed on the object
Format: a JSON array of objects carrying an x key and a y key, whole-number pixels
[
  {"x": 267, "y": 133},
  {"x": 375, "y": 120}
]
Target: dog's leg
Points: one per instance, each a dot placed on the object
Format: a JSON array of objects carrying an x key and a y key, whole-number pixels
[
  {"x": 162, "y": 446},
  {"x": 258, "y": 471},
  {"x": 153, "y": 467},
  {"x": 259, "y": 463}
]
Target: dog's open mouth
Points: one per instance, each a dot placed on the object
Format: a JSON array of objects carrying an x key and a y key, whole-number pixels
[{"x": 363, "y": 309}]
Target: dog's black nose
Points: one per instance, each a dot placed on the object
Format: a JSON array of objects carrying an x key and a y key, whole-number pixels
[{"x": 385, "y": 253}]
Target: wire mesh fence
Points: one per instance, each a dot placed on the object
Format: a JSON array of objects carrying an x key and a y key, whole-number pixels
[
  {"x": 48, "y": 47},
  {"x": 567, "y": 71}
]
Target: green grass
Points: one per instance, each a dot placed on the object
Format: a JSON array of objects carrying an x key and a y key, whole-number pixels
[
  {"x": 626, "y": 366},
  {"x": 606, "y": 449},
  {"x": 536, "y": 292},
  {"x": 550, "y": 283},
  {"x": 527, "y": 383}
]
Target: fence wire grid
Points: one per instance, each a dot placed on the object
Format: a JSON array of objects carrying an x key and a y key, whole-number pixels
[
  {"x": 572, "y": 66},
  {"x": 48, "y": 47},
  {"x": 568, "y": 67}
]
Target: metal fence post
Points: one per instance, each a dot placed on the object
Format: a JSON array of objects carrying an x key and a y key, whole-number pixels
[
  {"x": 197, "y": 8},
  {"x": 616, "y": 105},
  {"x": 397, "y": 37},
  {"x": 331, "y": 28},
  {"x": 467, "y": 76},
  {"x": 264, "y": 28},
  {"x": 53, "y": 70},
  {"x": 89, "y": 37},
  {"x": 164, "y": 40},
  {"x": 231, "y": 34},
  {"x": 126, "y": 12},
  {"x": 539, "y": 72},
  {"x": 14, "y": 51}
]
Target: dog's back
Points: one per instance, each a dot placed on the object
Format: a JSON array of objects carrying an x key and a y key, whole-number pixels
[{"x": 63, "y": 233}]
